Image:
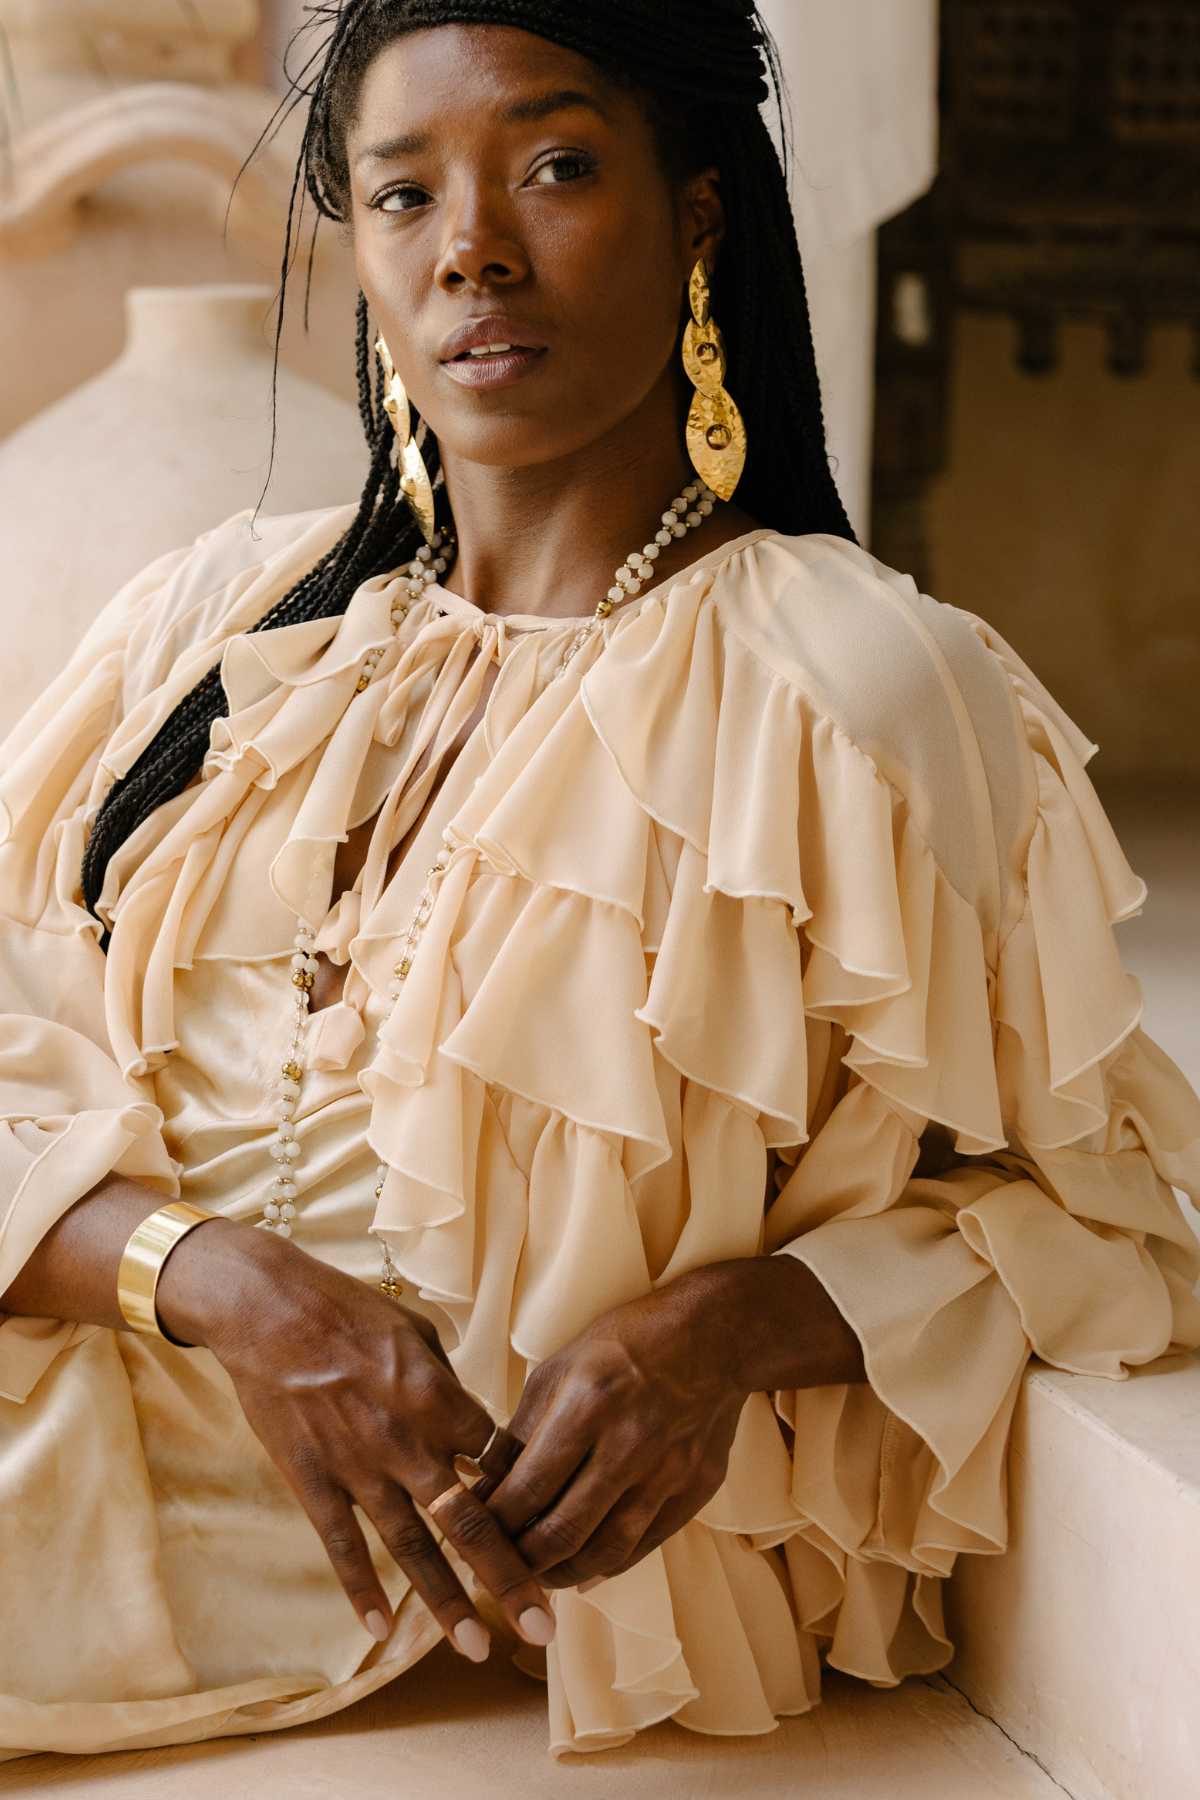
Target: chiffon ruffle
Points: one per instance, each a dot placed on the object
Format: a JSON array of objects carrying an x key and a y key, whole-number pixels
[{"x": 688, "y": 919}]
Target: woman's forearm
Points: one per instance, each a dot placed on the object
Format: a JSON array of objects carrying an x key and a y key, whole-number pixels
[
  {"x": 72, "y": 1274},
  {"x": 781, "y": 1328}
]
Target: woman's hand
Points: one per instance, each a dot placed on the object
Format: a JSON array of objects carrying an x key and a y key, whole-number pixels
[
  {"x": 627, "y": 1434},
  {"x": 354, "y": 1400},
  {"x": 628, "y": 1428}
]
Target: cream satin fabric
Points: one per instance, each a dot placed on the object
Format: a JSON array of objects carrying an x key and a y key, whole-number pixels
[{"x": 792, "y": 857}]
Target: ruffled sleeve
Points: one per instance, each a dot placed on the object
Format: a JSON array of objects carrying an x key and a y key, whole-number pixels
[
  {"x": 68, "y": 1115},
  {"x": 1064, "y": 1241}
]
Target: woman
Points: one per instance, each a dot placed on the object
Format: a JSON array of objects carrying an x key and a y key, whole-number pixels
[{"x": 697, "y": 986}]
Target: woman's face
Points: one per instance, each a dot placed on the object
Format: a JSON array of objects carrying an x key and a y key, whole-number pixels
[{"x": 497, "y": 178}]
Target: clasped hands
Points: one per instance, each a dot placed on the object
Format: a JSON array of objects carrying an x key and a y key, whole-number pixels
[{"x": 620, "y": 1438}]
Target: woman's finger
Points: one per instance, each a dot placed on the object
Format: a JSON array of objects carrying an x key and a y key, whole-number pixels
[
  {"x": 332, "y": 1514},
  {"x": 479, "y": 1540},
  {"x": 556, "y": 1540},
  {"x": 415, "y": 1549},
  {"x": 567, "y": 1494},
  {"x": 613, "y": 1543},
  {"x": 557, "y": 1446},
  {"x": 484, "y": 1473},
  {"x": 671, "y": 1517}
]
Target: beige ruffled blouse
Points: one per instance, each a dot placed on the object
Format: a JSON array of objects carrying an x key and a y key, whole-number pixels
[{"x": 789, "y": 858}]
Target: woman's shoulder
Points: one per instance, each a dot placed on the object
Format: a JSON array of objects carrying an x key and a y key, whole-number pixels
[
  {"x": 905, "y": 675},
  {"x": 928, "y": 692},
  {"x": 944, "y": 710},
  {"x": 857, "y": 636}
]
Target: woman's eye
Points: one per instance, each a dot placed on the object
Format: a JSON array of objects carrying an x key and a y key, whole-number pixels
[
  {"x": 398, "y": 193},
  {"x": 567, "y": 166},
  {"x": 576, "y": 164}
]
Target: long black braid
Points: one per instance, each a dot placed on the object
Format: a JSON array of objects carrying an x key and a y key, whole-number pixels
[{"x": 697, "y": 66}]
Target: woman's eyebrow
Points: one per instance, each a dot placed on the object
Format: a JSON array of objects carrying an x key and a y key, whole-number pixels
[{"x": 538, "y": 106}]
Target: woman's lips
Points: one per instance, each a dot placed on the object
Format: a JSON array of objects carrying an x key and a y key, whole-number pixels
[{"x": 494, "y": 370}]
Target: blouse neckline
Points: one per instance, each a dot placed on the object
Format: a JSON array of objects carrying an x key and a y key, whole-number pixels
[
  {"x": 347, "y": 925},
  {"x": 449, "y": 603}
]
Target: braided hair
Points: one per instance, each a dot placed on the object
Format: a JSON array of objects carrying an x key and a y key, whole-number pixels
[{"x": 699, "y": 69}]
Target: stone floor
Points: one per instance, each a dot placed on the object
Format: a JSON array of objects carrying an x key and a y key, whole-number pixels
[{"x": 447, "y": 1730}]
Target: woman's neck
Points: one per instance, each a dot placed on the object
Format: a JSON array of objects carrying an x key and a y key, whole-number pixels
[{"x": 548, "y": 539}]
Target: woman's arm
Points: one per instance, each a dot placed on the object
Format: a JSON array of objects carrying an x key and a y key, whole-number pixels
[
  {"x": 72, "y": 1273},
  {"x": 351, "y": 1395},
  {"x": 780, "y": 1326},
  {"x": 787, "y": 1329}
]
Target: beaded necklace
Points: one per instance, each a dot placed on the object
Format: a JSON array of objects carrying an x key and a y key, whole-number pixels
[{"x": 686, "y": 511}]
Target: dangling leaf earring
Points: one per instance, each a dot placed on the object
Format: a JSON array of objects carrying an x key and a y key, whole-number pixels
[
  {"x": 716, "y": 431},
  {"x": 414, "y": 476}
]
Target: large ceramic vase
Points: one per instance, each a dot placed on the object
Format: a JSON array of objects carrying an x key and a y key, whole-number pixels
[
  {"x": 125, "y": 126},
  {"x": 171, "y": 439}
]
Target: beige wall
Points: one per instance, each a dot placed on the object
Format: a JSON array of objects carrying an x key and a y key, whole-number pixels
[
  {"x": 280, "y": 19},
  {"x": 1070, "y": 518}
]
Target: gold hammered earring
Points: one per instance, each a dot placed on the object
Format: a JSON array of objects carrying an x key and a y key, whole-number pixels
[
  {"x": 716, "y": 431},
  {"x": 414, "y": 476}
]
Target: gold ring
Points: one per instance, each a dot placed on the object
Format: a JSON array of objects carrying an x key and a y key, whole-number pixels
[
  {"x": 475, "y": 1461},
  {"x": 496, "y": 1432},
  {"x": 444, "y": 1498}
]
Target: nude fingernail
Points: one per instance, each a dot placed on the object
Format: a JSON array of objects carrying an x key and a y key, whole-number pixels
[
  {"x": 537, "y": 1625},
  {"x": 377, "y": 1625},
  {"x": 472, "y": 1640}
]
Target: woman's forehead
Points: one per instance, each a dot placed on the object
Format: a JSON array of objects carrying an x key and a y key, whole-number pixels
[
  {"x": 417, "y": 94},
  {"x": 437, "y": 61}
]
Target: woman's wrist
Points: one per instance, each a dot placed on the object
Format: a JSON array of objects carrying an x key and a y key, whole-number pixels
[
  {"x": 777, "y": 1326},
  {"x": 214, "y": 1280}
]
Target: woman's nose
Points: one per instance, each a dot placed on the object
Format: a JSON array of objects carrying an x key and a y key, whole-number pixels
[{"x": 480, "y": 248}]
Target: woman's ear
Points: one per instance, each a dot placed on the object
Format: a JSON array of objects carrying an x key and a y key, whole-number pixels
[{"x": 703, "y": 218}]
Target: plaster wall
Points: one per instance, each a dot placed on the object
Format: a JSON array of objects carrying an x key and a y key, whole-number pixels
[
  {"x": 127, "y": 129},
  {"x": 1068, "y": 517}
]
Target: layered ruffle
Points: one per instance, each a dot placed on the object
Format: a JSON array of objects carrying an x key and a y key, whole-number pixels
[
  {"x": 68, "y": 1117},
  {"x": 1080, "y": 1256},
  {"x": 731, "y": 861},
  {"x": 301, "y": 754},
  {"x": 687, "y": 919},
  {"x": 658, "y": 914},
  {"x": 1064, "y": 1003},
  {"x": 575, "y": 1094},
  {"x": 1069, "y": 1244},
  {"x": 786, "y": 823},
  {"x": 72, "y": 1111}
]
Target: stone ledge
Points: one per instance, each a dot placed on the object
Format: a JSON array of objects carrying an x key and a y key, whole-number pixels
[{"x": 1083, "y": 1641}]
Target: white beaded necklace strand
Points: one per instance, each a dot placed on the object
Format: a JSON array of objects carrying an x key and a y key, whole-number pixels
[{"x": 686, "y": 511}]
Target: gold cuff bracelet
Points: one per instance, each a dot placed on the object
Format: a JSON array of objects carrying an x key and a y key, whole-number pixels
[{"x": 141, "y": 1264}]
